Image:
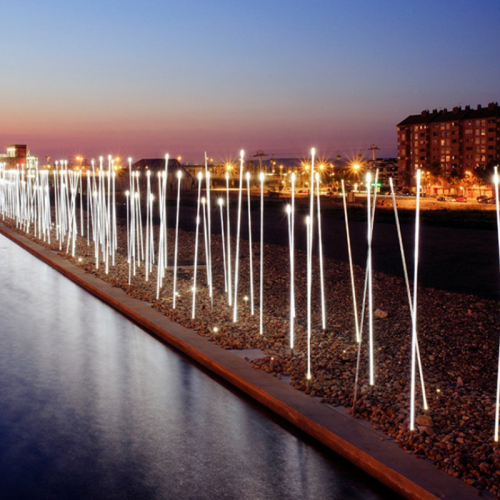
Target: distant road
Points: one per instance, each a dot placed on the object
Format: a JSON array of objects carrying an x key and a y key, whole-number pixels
[{"x": 452, "y": 259}]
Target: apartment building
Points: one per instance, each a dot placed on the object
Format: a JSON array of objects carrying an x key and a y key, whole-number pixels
[{"x": 463, "y": 139}]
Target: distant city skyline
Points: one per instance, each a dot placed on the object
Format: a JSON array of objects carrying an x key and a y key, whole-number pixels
[{"x": 145, "y": 79}]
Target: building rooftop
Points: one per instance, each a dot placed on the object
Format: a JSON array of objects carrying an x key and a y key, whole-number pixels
[{"x": 456, "y": 114}]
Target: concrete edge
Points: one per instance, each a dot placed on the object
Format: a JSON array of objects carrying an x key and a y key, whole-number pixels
[{"x": 256, "y": 384}]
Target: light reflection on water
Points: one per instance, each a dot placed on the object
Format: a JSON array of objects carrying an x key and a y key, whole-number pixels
[{"x": 93, "y": 407}]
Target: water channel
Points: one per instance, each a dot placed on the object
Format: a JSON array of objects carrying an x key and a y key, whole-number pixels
[{"x": 92, "y": 407}]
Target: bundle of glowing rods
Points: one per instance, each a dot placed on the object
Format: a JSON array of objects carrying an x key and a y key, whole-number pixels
[{"x": 25, "y": 197}]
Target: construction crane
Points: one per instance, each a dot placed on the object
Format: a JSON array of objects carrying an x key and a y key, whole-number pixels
[
  {"x": 373, "y": 148},
  {"x": 259, "y": 154}
]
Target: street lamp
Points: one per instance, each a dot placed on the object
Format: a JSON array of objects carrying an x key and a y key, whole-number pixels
[{"x": 355, "y": 169}]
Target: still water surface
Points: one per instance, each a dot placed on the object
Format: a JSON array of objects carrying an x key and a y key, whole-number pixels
[{"x": 92, "y": 407}]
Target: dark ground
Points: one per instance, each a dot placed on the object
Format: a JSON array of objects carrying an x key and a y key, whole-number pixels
[{"x": 455, "y": 259}]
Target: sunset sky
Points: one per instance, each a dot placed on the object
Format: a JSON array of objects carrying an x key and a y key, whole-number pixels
[{"x": 144, "y": 78}]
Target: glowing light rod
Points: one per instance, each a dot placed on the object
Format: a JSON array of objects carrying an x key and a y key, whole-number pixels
[
  {"x": 293, "y": 244},
  {"x": 200, "y": 178},
  {"x": 250, "y": 250},
  {"x": 228, "y": 239},
  {"x": 414, "y": 317},
  {"x": 370, "y": 281},
  {"x": 237, "y": 257},
  {"x": 309, "y": 279},
  {"x": 497, "y": 406},
  {"x": 221, "y": 205},
  {"x": 261, "y": 270},
  {"x": 179, "y": 176},
  {"x": 424, "y": 396},
  {"x": 351, "y": 267},
  {"x": 320, "y": 250},
  {"x": 309, "y": 226},
  {"x": 290, "y": 239},
  {"x": 209, "y": 230}
]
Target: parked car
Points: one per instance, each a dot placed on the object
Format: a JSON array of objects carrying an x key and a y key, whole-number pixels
[
  {"x": 461, "y": 199},
  {"x": 481, "y": 199},
  {"x": 490, "y": 201},
  {"x": 402, "y": 192},
  {"x": 441, "y": 198}
]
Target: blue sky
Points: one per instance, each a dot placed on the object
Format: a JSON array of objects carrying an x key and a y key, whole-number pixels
[{"x": 143, "y": 78}]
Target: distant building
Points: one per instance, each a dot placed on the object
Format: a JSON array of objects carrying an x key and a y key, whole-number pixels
[
  {"x": 462, "y": 139},
  {"x": 18, "y": 156},
  {"x": 387, "y": 168}
]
